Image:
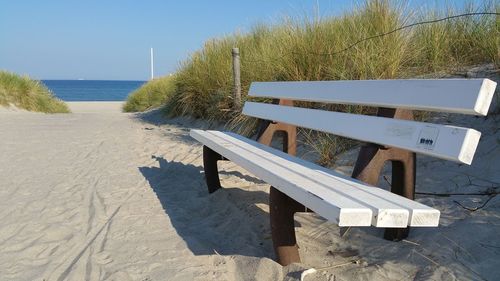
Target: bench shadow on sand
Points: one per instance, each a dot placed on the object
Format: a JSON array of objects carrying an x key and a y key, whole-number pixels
[{"x": 226, "y": 222}]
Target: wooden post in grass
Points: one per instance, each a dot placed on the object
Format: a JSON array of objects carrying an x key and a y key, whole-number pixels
[{"x": 236, "y": 79}]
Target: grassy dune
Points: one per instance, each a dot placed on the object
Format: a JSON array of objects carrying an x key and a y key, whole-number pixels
[
  {"x": 152, "y": 94},
  {"x": 314, "y": 49},
  {"x": 309, "y": 49},
  {"x": 25, "y": 93}
]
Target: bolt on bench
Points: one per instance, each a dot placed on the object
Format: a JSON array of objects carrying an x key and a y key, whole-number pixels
[{"x": 392, "y": 135}]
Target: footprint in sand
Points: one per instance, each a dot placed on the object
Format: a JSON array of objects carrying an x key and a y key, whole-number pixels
[
  {"x": 151, "y": 253},
  {"x": 155, "y": 265},
  {"x": 122, "y": 276},
  {"x": 148, "y": 252},
  {"x": 103, "y": 258}
]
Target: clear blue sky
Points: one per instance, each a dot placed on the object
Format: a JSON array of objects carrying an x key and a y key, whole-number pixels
[{"x": 70, "y": 39}]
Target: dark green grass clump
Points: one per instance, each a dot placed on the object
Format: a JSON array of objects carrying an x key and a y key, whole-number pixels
[{"x": 28, "y": 94}]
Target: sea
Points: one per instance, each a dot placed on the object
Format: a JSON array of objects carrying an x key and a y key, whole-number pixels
[{"x": 92, "y": 90}]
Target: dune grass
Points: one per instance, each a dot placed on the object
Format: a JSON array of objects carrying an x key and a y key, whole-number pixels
[
  {"x": 311, "y": 49},
  {"x": 28, "y": 94},
  {"x": 307, "y": 49},
  {"x": 150, "y": 95}
]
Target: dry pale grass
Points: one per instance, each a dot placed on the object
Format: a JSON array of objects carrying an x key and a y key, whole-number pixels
[{"x": 309, "y": 49}]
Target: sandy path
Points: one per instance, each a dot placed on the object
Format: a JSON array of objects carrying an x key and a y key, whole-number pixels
[
  {"x": 80, "y": 201},
  {"x": 102, "y": 195}
]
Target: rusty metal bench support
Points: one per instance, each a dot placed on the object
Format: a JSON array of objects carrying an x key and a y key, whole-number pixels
[
  {"x": 368, "y": 167},
  {"x": 281, "y": 207},
  {"x": 210, "y": 159},
  {"x": 371, "y": 161}
]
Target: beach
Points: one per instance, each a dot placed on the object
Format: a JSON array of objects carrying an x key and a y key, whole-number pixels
[{"x": 98, "y": 194}]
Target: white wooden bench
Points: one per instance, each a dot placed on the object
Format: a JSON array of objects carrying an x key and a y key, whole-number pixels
[{"x": 298, "y": 184}]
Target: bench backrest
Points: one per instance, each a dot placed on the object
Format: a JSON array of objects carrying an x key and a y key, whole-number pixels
[{"x": 467, "y": 96}]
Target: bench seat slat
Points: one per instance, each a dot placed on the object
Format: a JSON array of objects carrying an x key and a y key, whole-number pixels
[
  {"x": 420, "y": 215},
  {"x": 467, "y": 96},
  {"x": 310, "y": 180},
  {"x": 344, "y": 211},
  {"x": 447, "y": 142}
]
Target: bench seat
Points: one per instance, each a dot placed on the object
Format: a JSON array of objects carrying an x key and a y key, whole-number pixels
[{"x": 336, "y": 197}]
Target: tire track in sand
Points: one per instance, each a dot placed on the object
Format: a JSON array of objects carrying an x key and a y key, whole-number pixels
[{"x": 60, "y": 272}]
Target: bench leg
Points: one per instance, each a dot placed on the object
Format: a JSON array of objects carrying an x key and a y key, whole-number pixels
[
  {"x": 282, "y": 209},
  {"x": 403, "y": 183},
  {"x": 210, "y": 159},
  {"x": 268, "y": 130},
  {"x": 371, "y": 160}
]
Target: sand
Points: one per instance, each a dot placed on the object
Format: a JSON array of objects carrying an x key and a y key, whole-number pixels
[{"x": 103, "y": 195}]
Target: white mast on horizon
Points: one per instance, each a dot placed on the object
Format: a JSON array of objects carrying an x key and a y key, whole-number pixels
[{"x": 152, "y": 65}]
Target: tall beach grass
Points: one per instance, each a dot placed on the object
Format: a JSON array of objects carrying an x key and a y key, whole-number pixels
[
  {"x": 28, "y": 94},
  {"x": 305, "y": 48},
  {"x": 308, "y": 49},
  {"x": 150, "y": 95}
]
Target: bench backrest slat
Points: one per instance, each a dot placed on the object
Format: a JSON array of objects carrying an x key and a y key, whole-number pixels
[
  {"x": 467, "y": 96},
  {"x": 447, "y": 142}
]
